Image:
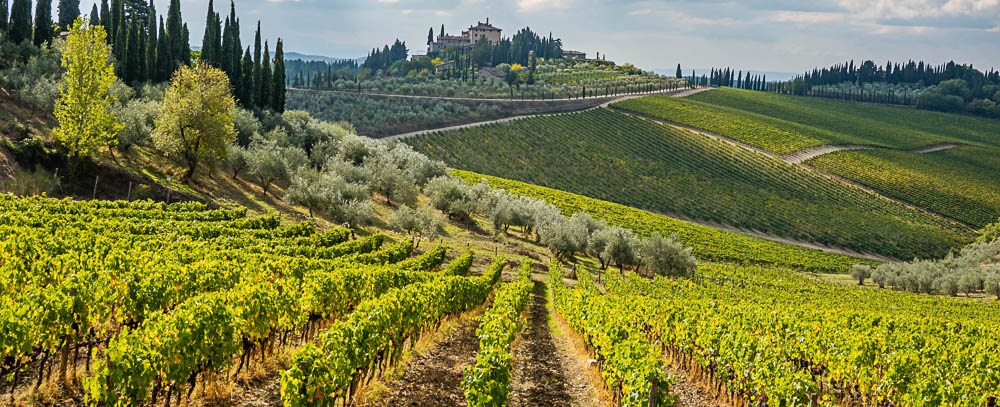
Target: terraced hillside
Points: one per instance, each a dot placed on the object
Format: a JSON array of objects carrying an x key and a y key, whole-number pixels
[
  {"x": 962, "y": 183},
  {"x": 639, "y": 163},
  {"x": 783, "y": 124}
]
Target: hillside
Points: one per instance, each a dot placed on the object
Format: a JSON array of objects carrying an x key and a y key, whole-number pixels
[{"x": 635, "y": 162}]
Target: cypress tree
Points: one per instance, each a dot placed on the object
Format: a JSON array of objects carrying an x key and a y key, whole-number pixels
[
  {"x": 117, "y": 17},
  {"x": 164, "y": 59},
  {"x": 264, "y": 98},
  {"x": 175, "y": 34},
  {"x": 20, "y": 21},
  {"x": 679, "y": 74},
  {"x": 132, "y": 53},
  {"x": 43, "y": 22},
  {"x": 69, "y": 10},
  {"x": 152, "y": 43},
  {"x": 278, "y": 81},
  {"x": 246, "y": 98},
  {"x": 225, "y": 56},
  {"x": 95, "y": 16},
  {"x": 442, "y": 30},
  {"x": 258, "y": 81},
  {"x": 430, "y": 36},
  {"x": 120, "y": 52},
  {"x": 186, "y": 46},
  {"x": 106, "y": 20},
  {"x": 208, "y": 40},
  {"x": 4, "y": 17}
]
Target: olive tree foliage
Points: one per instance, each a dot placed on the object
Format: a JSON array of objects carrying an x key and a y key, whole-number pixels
[
  {"x": 861, "y": 272},
  {"x": 237, "y": 159},
  {"x": 620, "y": 247},
  {"x": 452, "y": 197},
  {"x": 329, "y": 193},
  {"x": 667, "y": 256},
  {"x": 196, "y": 119},
  {"x": 86, "y": 121},
  {"x": 138, "y": 116},
  {"x": 422, "y": 223},
  {"x": 970, "y": 271}
]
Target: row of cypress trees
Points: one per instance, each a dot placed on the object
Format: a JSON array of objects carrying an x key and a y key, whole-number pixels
[{"x": 148, "y": 49}]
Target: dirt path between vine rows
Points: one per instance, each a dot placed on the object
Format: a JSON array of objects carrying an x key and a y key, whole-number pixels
[
  {"x": 435, "y": 378},
  {"x": 540, "y": 375}
]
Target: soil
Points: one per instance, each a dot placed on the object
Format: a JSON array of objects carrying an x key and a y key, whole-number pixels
[
  {"x": 539, "y": 377},
  {"x": 435, "y": 378}
]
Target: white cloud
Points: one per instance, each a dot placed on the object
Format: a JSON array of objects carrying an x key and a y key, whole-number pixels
[
  {"x": 538, "y": 5},
  {"x": 387, "y": 1},
  {"x": 809, "y": 17},
  {"x": 908, "y": 9}
]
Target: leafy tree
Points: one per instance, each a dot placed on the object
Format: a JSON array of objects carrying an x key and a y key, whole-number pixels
[
  {"x": 43, "y": 22},
  {"x": 278, "y": 80},
  {"x": 667, "y": 257},
  {"x": 267, "y": 165},
  {"x": 451, "y": 197},
  {"x": 196, "y": 121},
  {"x": 861, "y": 272},
  {"x": 69, "y": 10},
  {"x": 391, "y": 182},
  {"x": 309, "y": 189},
  {"x": 86, "y": 122},
  {"x": 420, "y": 224},
  {"x": 619, "y": 247}
]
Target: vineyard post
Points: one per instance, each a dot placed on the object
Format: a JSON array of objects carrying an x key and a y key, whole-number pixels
[
  {"x": 94, "y": 195},
  {"x": 128, "y": 197}
]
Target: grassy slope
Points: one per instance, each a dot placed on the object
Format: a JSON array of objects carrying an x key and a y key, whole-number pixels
[
  {"x": 962, "y": 183},
  {"x": 707, "y": 243},
  {"x": 879, "y": 125},
  {"x": 635, "y": 162}
]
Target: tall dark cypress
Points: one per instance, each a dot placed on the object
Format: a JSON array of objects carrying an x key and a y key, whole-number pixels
[
  {"x": 69, "y": 10},
  {"x": 4, "y": 16},
  {"x": 95, "y": 16},
  {"x": 106, "y": 19},
  {"x": 264, "y": 98},
  {"x": 208, "y": 39},
  {"x": 278, "y": 79},
  {"x": 164, "y": 58},
  {"x": 43, "y": 22},
  {"x": 225, "y": 59},
  {"x": 246, "y": 95},
  {"x": 120, "y": 52},
  {"x": 186, "y": 46},
  {"x": 235, "y": 49},
  {"x": 152, "y": 43},
  {"x": 175, "y": 34},
  {"x": 20, "y": 21},
  {"x": 258, "y": 82},
  {"x": 133, "y": 66},
  {"x": 117, "y": 17}
]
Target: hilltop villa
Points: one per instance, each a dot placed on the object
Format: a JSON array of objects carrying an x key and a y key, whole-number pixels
[{"x": 468, "y": 37}]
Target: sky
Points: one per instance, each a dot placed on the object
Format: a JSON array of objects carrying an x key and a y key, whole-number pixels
[{"x": 764, "y": 35}]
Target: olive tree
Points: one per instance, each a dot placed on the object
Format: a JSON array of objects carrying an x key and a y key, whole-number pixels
[
  {"x": 422, "y": 223},
  {"x": 861, "y": 272},
  {"x": 667, "y": 256}
]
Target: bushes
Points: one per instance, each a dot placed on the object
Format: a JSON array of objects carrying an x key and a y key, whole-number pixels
[
  {"x": 968, "y": 272},
  {"x": 137, "y": 116},
  {"x": 939, "y": 102}
]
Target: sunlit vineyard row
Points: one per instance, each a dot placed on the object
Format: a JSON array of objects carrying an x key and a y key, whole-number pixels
[
  {"x": 766, "y": 336},
  {"x": 623, "y": 159},
  {"x": 154, "y": 299}
]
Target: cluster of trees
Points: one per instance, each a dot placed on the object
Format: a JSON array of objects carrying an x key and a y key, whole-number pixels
[
  {"x": 515, "y": 50},
  {"x": 147, "y": 48},
  {"x": 969, "y": 272},
  {"x": 908, "y": 72},
  {"x": 955, "y": 95},
  {"x": 319, "y": 74},
  {"x": 383, "y": 59},
  {"x": 565, "y": 237},
  {"x": 731, "y": 78}
]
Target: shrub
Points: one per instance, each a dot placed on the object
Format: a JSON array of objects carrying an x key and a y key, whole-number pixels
[
  {"x": 861, "y": 272},
  {"x": 939, "y": 102}
]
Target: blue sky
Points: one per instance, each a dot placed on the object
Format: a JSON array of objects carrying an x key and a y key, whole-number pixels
[{"x": 776, "y": 35}]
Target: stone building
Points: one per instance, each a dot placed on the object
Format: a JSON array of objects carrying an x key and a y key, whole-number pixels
[{"x": 468, "y": 37}]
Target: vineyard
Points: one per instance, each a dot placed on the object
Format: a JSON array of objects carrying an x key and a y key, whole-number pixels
[
  {"x": 708, "y": 243},
  {"x": 619, "y": 158},
  {"x": 766, "y": 336},
  {"x": 141, "y": 303},
  {"x": 961, "y": 183},
  {"x": 876, "y": 125}
]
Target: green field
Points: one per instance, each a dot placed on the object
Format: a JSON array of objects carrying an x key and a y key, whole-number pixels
[
  {"x": 782, "y": 123},
  {"x": 962, "y": 183},
  {"x": 639, "y": 163},
  {"x": 707, "y": 243}
]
